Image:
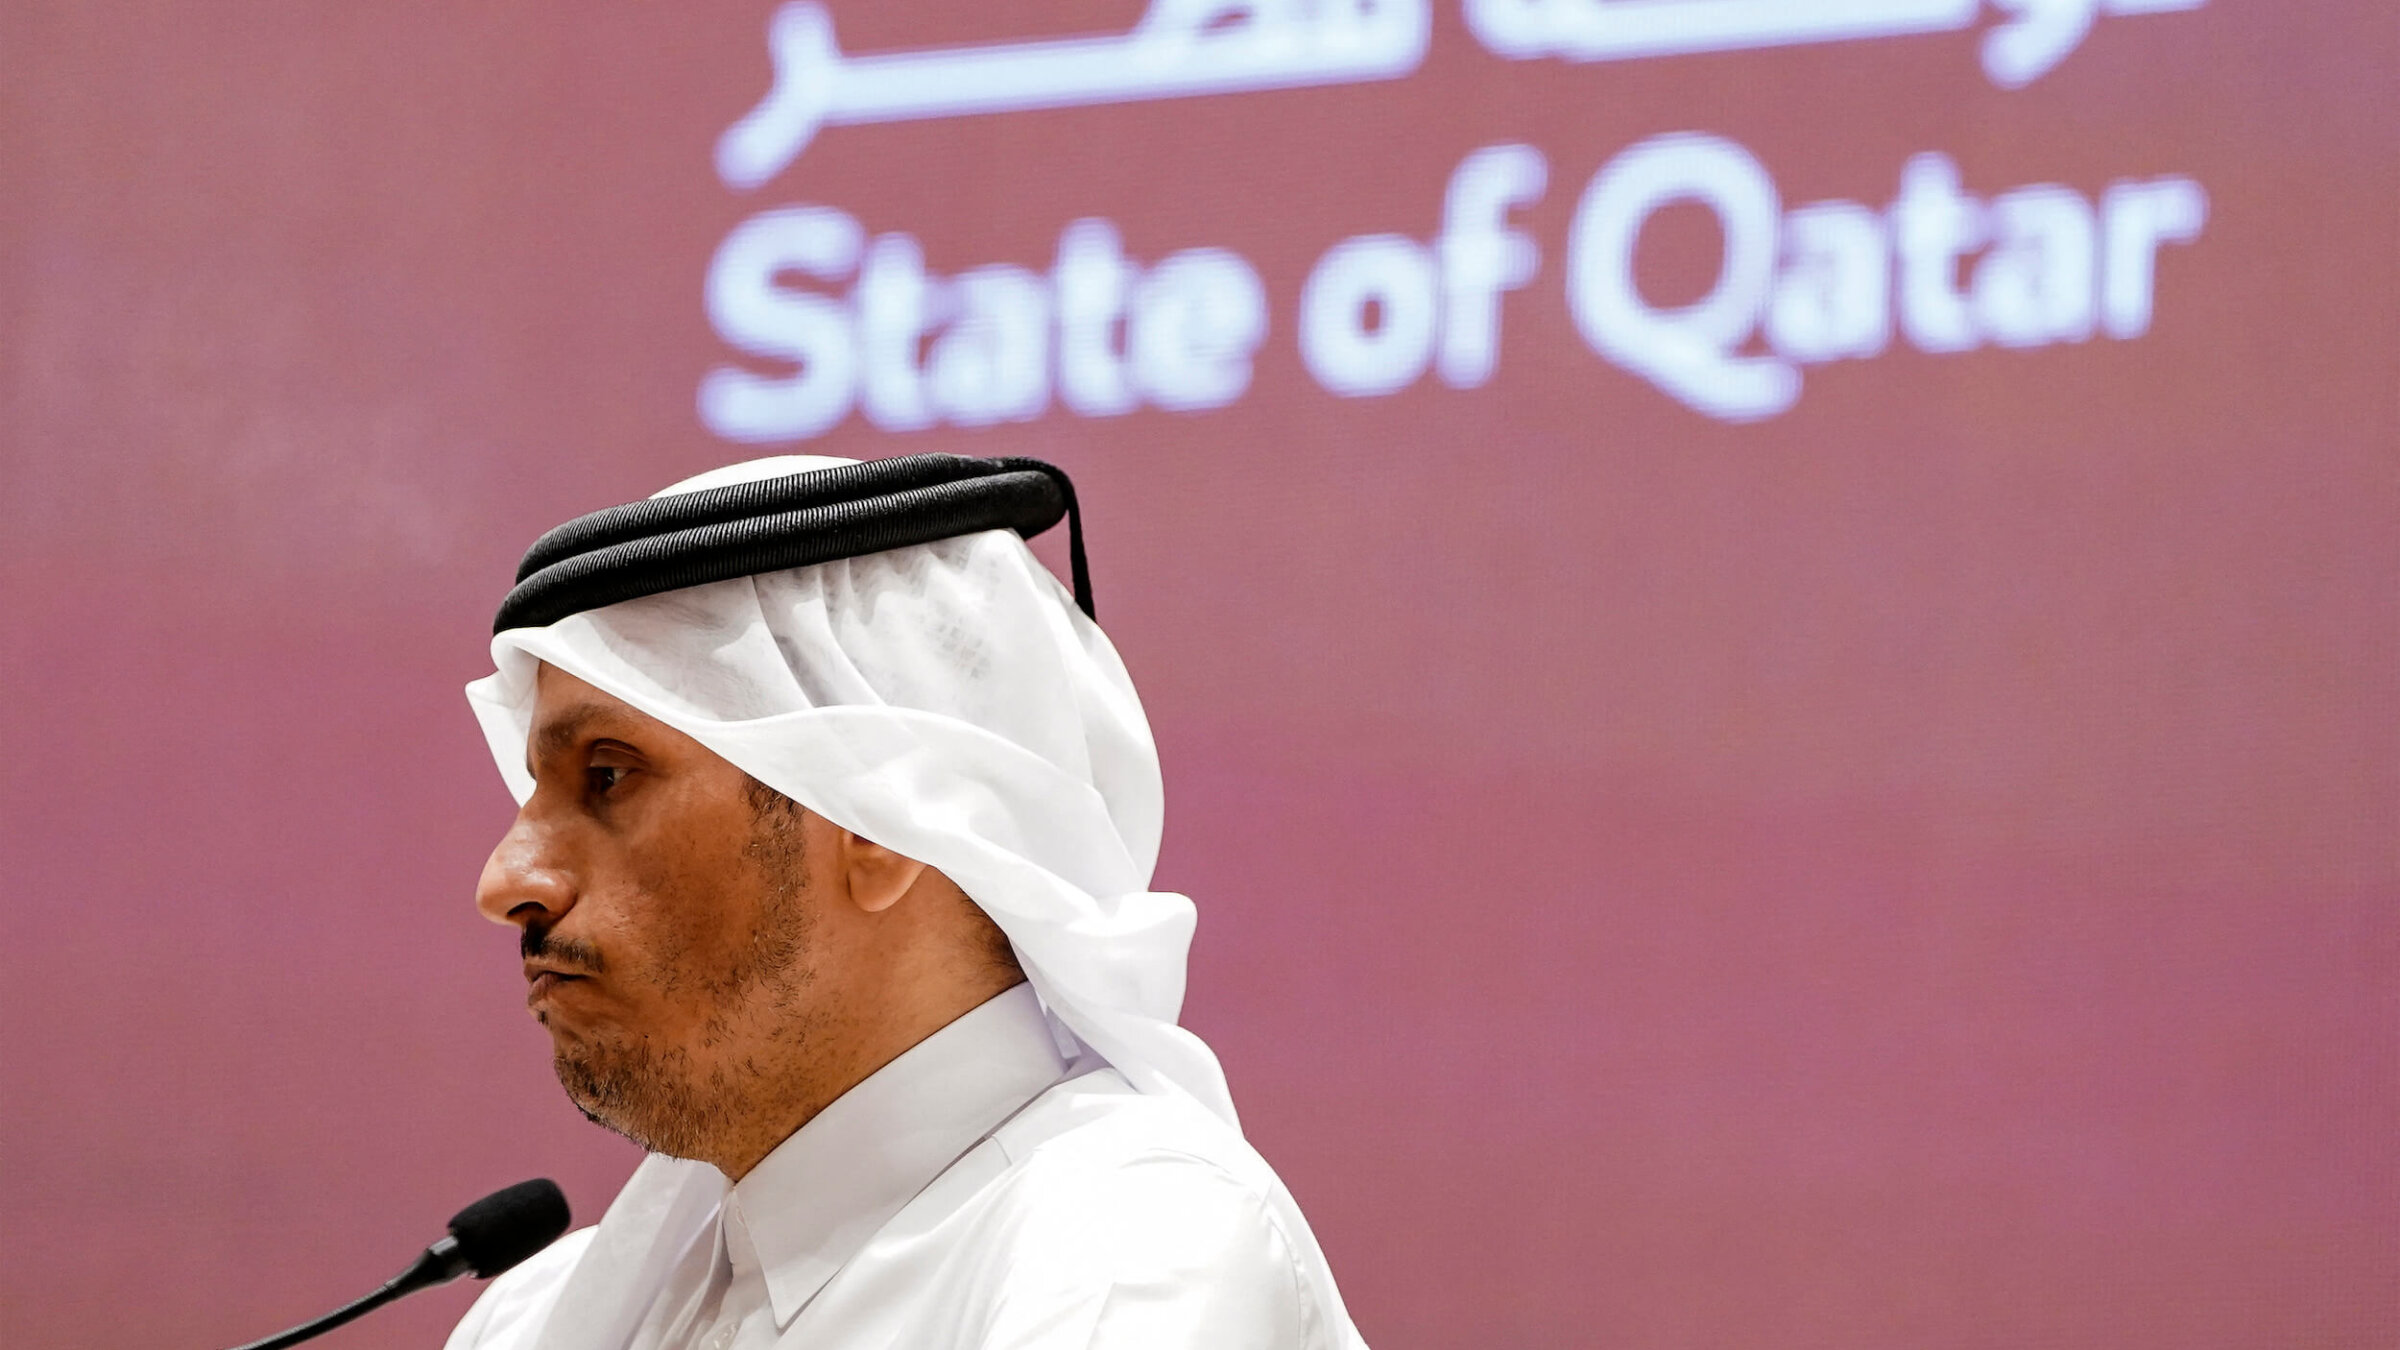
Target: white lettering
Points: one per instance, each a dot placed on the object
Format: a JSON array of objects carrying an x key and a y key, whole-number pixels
[
  {"x": 754, "y": 314},
  {"x": 1092, "y": 277},
  {"x": 1933, "y": 223},
  {"x": 892, "y": 301},
  {"x": 993, "y": 363},
  {"x": 1197, "y": 317},
  {"x": 1688, "y": 352},
  {"x": 1367, "y": 315},
  {"x": 1834, "y": 296},
  {"x": 2017, "y": 54},
  {"x": 1180, "y": 48},
  {"x": 1481, "y": 257},
  {"x": 2032, "y": 37},
  {"x": 2137, "y": 218},
  {"x": 1103, "y": 334},
  {"x": 2036, "y": 285}
]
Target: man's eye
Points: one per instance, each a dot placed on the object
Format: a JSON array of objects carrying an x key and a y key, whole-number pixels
[{"x": 601, "y": 777}]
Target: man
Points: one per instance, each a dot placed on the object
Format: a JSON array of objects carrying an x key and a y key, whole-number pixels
[{"x": 831, "y": 876}]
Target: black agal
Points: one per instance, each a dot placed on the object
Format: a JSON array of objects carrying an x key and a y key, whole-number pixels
[{"x": 717, "y": 534}]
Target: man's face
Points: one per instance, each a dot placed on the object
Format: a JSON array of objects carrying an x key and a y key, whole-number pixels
[{"x": 666, "y": 903}]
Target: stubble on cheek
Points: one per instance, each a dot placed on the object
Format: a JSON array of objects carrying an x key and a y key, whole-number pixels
[{"x": 724, "y": 984}]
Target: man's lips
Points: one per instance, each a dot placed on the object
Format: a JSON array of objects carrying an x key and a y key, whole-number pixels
[{"x": 543, "y": 981}]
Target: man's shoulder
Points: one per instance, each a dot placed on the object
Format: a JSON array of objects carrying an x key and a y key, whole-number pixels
[
  {"x": 1145, "y": 1220},
  {"x": 1127, "y": 1177},
  {"x": 1096, "y": 1128}
]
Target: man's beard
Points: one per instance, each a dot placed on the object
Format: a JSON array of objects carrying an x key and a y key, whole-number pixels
[
  {"x": 645, "y": 1094},
  {"x": 655, "y": 1095}
]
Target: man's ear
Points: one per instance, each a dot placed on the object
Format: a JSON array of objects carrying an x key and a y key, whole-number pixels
[{"x": 876, "y": 876}]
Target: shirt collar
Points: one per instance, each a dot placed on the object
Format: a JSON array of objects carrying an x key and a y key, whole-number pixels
[{"x": 807, "y": 1208}]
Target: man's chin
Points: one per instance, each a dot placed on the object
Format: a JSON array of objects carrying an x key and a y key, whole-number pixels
[{"x": 631, "y": 1094}]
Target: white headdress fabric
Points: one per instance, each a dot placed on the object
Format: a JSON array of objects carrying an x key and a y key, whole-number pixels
[{"x": 947, "y": 701}]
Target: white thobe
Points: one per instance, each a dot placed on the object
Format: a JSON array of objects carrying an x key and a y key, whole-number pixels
[{"x": 977, "y": 1191}]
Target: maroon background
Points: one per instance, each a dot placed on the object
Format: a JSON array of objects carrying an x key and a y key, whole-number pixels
[{"x": 1917, "y": 871}]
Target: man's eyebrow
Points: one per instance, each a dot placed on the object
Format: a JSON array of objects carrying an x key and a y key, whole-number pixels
[{"x": 563, "y": 730}]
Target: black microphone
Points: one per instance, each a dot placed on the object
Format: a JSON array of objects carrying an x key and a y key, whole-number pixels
[{"x": 486, "y": 1237}]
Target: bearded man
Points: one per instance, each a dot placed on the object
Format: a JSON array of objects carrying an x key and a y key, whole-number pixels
[{"x": 837, "y": 817}]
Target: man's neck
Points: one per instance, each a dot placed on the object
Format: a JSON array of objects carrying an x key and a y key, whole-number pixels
[{"x": 750, "y": 1133}]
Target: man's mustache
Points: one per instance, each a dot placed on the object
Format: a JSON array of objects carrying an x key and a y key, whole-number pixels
[{"x": 577, "y": 958}]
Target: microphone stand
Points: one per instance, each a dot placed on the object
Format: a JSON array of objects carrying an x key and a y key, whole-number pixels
[
  {"x": 487, "y": 1237},
  {"x": 441, "y": 1263}
]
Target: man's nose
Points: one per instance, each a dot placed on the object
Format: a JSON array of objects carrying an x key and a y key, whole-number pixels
[{"x": 524, "y": 880}]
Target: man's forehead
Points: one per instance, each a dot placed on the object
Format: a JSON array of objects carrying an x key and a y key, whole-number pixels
[
  {"x": 551, "y": 684},
  {"x": 567, "y": 713},
  {"x": 566, "y": 710}
]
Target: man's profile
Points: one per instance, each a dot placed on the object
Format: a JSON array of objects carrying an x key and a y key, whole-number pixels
[{"x": 830, "y": 873}]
